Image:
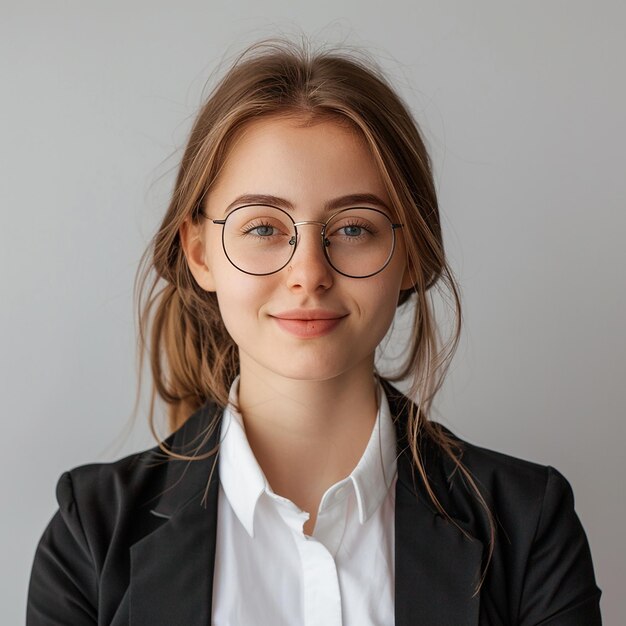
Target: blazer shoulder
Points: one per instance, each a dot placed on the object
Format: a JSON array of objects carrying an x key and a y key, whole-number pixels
[
  {"x": 500, "y": 477},
  {"x": 101, "y": 503},
  {"x": 516, "y": 491},
  {"x": 138, "y": 480},
  {"x": 498, "y": 468},
  {"x": 84, "y": 553},
  {"x": 539, "y": 537},
  {"x": 516, "y": 484},
  {"x": 111, "y": 484}
]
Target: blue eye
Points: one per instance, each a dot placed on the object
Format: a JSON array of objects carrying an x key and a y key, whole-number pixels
[
  {"x": 263, "y": 231},
  {"x": 352, "y": 231}
]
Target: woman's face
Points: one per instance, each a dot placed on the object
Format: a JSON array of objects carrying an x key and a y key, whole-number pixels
[{"x": 306, "y": 321}]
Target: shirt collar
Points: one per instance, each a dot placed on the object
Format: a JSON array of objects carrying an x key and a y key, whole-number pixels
[
  {"x": 243, "y": 480},
  {"x": 241, "y": 476},
  {"x": 375, "y": 471}
]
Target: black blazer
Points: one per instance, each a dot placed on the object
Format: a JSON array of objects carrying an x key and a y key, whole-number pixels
[{"x": 133, "y": 543}]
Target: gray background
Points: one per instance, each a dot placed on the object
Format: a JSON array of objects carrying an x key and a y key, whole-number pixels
[{"x": 523, "y": 106}]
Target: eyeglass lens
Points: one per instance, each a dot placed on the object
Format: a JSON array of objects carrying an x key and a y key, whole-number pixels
[{"x": 260, "y": 239}]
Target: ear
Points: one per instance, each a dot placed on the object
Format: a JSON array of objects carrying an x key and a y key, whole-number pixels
[{"x": 194, "y": 246}]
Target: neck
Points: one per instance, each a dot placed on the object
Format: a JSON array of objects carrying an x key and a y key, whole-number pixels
[{"x": 307, "y": 435}]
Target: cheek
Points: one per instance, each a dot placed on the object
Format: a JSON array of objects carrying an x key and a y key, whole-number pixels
[
  {"x": 240, "y": 297},
  {"x": 387, "y": 310},
  {"x": 384, "y": 302},
  {"x": 388, "y": 285},
  {"x": 378, "y": 306}
]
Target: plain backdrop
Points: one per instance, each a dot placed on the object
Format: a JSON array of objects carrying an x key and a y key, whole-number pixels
[{"x": 523, "y": 107}]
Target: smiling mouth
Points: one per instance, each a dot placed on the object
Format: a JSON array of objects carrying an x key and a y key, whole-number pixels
[{"x": 308, "y": 324}]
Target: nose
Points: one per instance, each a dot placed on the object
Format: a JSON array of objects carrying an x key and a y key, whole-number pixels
[{"x": 308, "y": 269}]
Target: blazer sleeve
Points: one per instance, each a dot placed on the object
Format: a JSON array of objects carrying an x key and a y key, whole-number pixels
[
  {"x": 559, "y": 587},
  {"x": 63, "y": 584}
]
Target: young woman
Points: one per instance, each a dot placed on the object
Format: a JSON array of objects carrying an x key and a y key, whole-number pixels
[{"x": 298, "y": 486}]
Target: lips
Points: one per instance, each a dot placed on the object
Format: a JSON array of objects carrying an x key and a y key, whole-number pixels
[{"x": 308, "y": 323}]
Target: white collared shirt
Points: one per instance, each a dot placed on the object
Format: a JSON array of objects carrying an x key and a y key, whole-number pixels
[{"x": 267, "y": 571}]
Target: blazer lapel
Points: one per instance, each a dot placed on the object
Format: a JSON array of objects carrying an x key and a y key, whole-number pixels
[
  {"x": 437, "y": 567},
  {"x": 172, "y": 567}
]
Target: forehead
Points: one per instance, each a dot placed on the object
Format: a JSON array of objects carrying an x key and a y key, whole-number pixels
[{"x": 306, "y": 162}]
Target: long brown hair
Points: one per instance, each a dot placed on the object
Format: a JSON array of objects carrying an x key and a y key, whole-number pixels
[{"x": 192, "y": 357}]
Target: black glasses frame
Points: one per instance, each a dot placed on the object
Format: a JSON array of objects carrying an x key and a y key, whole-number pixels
[{"x": 294, "y": 240}]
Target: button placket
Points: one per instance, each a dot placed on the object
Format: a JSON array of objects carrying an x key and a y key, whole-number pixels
[{"x": 322, "y": 597}]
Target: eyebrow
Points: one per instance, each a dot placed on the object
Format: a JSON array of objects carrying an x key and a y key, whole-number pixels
[{"x": 330, "y": 205}]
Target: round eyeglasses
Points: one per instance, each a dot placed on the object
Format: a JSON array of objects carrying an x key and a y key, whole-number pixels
[{"x": 358, "y": 242}]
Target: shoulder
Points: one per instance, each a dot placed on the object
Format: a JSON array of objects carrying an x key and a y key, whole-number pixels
[
  {"x": 104, "y": 510},
  {"x": 509, "y": 478},
  {"x": 101, "y": 512},
  {"x": 515, "y": 490},
  {"x": 540, "y": 543},
  {"x": 105, "y": 507},
  {"x": 541, "y": 556},
  {"x": 522, "y": 495},
  {"x": 106, "y": 498},
  {"x": 109, "y": 487}
]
